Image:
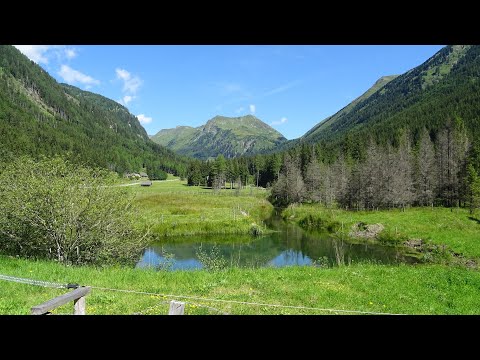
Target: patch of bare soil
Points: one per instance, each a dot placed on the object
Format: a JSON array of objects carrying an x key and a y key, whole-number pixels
[{"x": 367, "y": 231}]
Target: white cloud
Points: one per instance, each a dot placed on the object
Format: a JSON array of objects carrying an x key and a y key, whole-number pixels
[
  {"x": 36, "y": 53},
  {"x": 252, "y": 108},
  {"x": 131, "y": 84},
  {"x": 70, "y": 53},
  {"x": 283, "y": 120},
  {"x": 42, "y": 54},
  {"x": 73, "y": 76},
  {"x": 144, "y": 119},
  {"x": 122, "y": 74},
  {"x": 127, "y": 98},
  {"x": 240, "y": 110}
]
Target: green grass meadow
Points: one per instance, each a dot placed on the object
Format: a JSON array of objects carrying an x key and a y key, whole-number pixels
[
  {"x": 453, "y": 227},
  {"x": 402, "y": 289},
  {"x": 171, "y": 208}
]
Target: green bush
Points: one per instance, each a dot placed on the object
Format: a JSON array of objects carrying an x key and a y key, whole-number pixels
[{"x": 53, "y": 209}]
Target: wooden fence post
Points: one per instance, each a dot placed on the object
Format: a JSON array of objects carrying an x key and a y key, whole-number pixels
[
  {"x": 176, "y": 308},
  {"x": 77, "y": 296},
  {"x": 80, "y": 306}
]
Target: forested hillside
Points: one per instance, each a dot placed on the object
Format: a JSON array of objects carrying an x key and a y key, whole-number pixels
[
  {"x": 413, "y": 141},
  {"x": 444, "y": 87},
  {"x": 39, "y": 116},
  {"x": 337, "y": 117}
]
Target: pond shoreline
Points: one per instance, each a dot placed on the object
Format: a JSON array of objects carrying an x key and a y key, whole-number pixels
[{"x": 286, "y": 244}]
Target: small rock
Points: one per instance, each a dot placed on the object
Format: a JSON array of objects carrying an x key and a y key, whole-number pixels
[
  {"x": 366, "y": 231},
  {"x": 414, "y": 243}
]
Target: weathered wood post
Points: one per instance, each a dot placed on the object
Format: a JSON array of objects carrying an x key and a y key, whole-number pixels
[
  {"x": 77, "y": 296},
  {"x": 176, "y": 308},
  {"x": 80, "y": 306}
]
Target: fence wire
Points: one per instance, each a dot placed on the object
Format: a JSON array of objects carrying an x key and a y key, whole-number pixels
[
  {"x": 190, "y": 297},
  {"x": 33, "y": 282}
]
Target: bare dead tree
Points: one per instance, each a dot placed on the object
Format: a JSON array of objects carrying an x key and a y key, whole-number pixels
[{"x": 426, "y": 171}]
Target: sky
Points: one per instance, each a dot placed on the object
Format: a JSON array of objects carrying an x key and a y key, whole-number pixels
[{"x": 290, "y": 87}]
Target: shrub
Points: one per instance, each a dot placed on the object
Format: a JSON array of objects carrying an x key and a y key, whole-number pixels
[
  {"x": 212, "y": 260},
  {"x": 56, "y": 210}
]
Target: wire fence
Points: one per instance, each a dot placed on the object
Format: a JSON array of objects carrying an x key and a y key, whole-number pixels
[
  {"x": 33, "y": 282},
  {"x": 159, "y": 308},
  {"x": 191, "y": 297}
]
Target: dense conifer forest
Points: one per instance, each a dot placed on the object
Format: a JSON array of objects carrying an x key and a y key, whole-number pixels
[{"x": 39, "y": 116}]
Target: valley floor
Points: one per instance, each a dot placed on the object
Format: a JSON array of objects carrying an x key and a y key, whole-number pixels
[{"x": 350, "y": 289}]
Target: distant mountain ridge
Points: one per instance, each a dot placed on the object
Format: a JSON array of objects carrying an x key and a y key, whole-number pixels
[
  {"x": 384, "y": 80},
  {"x": 229, "y": 136},
  {"x": 444, "y": 86}
]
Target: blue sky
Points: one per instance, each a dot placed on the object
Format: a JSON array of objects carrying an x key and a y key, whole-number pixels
[{"x": 291, "y": 88}]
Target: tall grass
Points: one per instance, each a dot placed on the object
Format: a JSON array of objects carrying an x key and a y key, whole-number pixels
[
  {"x": 455, "y": 228},
  {"x": 172, "y": 208}
]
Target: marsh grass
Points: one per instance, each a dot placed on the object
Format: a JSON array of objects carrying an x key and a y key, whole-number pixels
[{"x": 170, "y": 208}]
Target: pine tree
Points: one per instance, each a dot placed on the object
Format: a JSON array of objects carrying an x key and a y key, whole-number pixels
[
  {"x": 219, "y": 170},
  {"x": 473, "y": 181}
]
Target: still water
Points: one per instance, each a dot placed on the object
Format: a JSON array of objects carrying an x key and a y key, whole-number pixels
[{"x": 288, "y": 246}]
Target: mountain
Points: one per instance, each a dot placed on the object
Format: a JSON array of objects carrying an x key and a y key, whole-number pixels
[
  {"x": 444, "y": 87},
  {"x": 39, "y": 116},
  {"x": 347, "y": 109},
  {"x": 231, "y": 137}
]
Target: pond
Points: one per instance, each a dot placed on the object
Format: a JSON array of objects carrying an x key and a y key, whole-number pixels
[{"x": 288, "y": 246}]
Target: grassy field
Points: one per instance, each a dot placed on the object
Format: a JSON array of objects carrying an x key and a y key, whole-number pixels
[
  {"x": 402, "y": 289},
  {"x": 173, "y": 208},
  {"x": 452, "y": 227}
]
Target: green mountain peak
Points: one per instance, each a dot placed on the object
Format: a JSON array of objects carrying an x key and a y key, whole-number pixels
[{"x": 229, "y": 136}]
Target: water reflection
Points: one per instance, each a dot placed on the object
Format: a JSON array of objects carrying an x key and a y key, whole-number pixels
[{"x": 290, "y": 246}]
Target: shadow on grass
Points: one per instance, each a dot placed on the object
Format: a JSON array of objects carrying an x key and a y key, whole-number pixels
[
  {"x": 200, "y": 187},
  {"x": 209, "y": 187},
  {"x": 474, "y": 219}
]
